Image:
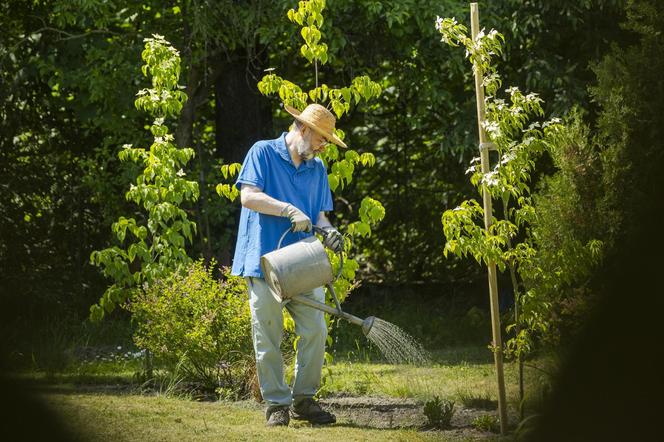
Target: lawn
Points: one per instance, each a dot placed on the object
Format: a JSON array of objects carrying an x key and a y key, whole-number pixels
[
  {"x": 118, "y": 417},
  {"x": 102, "y": 401}
]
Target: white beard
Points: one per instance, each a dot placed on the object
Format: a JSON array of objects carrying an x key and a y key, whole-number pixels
[{"x": 304, "y": 150}]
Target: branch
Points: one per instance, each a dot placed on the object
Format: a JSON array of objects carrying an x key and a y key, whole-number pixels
[{"x": 69, "y": 36}]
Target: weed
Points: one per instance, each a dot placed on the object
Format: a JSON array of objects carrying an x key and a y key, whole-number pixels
[
  {"x": 169, "y": 384},
  {"x": 439, "y": 412},
  {"x": 487, "y": 422}
]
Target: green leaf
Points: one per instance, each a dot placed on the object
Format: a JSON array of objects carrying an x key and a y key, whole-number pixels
[
  {"x": 338, "y": 108},
  {"x": 333, "y": 180}
]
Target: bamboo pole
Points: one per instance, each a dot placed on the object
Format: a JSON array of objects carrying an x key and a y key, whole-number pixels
[{"x": 488, "y": 215}]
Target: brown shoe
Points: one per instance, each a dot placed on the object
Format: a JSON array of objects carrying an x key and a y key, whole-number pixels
[
  {"x": 310, "y": 410},
  {"x": 277, "y": 417}
]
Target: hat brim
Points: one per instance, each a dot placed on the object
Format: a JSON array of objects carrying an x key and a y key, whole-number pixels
[{"x": 332, "y": 138}]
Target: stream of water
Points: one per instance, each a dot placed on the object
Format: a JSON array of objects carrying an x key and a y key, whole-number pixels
[{"x": 396, "y": 345}]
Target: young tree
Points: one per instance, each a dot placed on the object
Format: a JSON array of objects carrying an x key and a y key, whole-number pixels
[
  {"x": 518, "y": 147},
  {"x": 154, "y": 248}
]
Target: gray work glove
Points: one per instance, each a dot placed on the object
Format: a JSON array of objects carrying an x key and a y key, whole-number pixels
[
  {"x": 299, "y": 221},
  {"x": 333, "y": 239}
]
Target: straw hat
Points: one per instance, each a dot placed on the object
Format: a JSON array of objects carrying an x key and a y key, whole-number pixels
[{"x": 318, "y": 118}]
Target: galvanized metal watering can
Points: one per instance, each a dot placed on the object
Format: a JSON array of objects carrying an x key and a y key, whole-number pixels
[{"x": 301, "y": 267}]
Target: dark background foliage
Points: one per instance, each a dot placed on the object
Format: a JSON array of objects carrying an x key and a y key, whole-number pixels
[{"x": 69, "y": 71}]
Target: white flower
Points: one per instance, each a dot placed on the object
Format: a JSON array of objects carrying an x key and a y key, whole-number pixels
[
  {"x": 552, "y": 121},
  {"x": 159, "y": 121},
  {"x": 180, "y": 172},
  {"x": 507, "y": 158},
  {"x": 119, "y": 347},
  {"x": 439, "y": 23},
  {"x": 126, "y": 146},
  {"x": 512, "y": 90},
  {"x": 471, "y": 169},
  {"x": 500, "y": 103},
  {"x": 533, "y": 126},
  {"x": 492, "y": 34},
  {"x": 492, "y": 127},
  {"x": 490, "y": 179}
]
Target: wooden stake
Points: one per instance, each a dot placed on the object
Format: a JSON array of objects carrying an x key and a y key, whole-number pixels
[{"x": 488, "y": 215}]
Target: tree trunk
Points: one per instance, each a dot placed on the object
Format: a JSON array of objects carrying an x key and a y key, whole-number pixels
[
  {"x": 183, "y": 133},
  {"x": 243, "y": 115}
]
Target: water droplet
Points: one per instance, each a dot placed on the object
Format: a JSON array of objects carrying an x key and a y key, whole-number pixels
[{"x": 396, "y": 345}]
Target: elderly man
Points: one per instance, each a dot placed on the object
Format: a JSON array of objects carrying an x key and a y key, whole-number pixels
[{"x": 283, "y": 185}]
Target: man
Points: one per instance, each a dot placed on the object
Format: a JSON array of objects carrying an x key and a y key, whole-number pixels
[{"x": 283, "y": 185}]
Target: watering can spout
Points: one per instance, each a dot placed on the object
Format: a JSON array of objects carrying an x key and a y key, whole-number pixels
[{"x": 367, "y": 324}]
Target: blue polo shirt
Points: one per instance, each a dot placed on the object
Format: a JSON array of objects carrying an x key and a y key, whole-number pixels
[{"x": 269, "y": 167}]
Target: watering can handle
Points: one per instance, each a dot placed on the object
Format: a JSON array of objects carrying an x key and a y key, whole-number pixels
[{"x": 322, "y": 232}]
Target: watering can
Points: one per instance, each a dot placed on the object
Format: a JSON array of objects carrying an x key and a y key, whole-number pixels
[{"x": 300, "y": 267}]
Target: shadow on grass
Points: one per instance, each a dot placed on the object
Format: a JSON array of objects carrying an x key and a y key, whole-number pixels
[
  {"x": 71, "y": 388},
  {"x": 362, "y": 426},
  {"x": 462, "y": 355}
]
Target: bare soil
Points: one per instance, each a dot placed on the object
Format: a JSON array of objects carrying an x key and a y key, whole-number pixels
[{"x": 386, "y": 413}]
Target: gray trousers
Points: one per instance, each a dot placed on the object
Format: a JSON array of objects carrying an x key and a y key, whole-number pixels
[{"x": 267, "y": 331}]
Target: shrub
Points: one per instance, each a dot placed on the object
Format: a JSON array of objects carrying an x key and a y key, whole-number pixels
[
  {"x": 200, "y": 325},
  {"x": 569, "y": 230},
  {"x": 439, "y": 412}
]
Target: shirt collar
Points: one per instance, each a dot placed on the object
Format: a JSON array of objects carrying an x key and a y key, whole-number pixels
[{"x": 282, "y": 150}]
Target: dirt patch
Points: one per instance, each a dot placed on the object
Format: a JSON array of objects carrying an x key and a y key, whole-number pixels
[{"x": 385, "y": 413}]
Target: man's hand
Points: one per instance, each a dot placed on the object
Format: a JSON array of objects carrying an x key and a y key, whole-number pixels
[
  {"x": 333, "y": 239},
  {"x": 299, "y": 221}
]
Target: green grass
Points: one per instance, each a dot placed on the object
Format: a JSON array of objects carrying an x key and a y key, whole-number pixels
[
  {"x": 103, "y": 400},
  {"x": 89, "y": 373},
  {"x": 89, "y": 379},
  {"x": 466, "y": 375},
  {"x": 114, "y": 417}
]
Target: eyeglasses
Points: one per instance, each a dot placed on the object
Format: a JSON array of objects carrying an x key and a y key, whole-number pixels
[{"x": 322, "y": 143}]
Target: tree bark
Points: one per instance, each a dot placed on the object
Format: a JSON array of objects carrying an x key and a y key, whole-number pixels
[
  {"x": 243, "y": 115},
  {"x": 183, "y": 133}
]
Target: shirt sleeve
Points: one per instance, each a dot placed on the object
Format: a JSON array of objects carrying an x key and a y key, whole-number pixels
[
  {"x": 254, "y": 168},
  {"x": 326, "y": 203}
]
